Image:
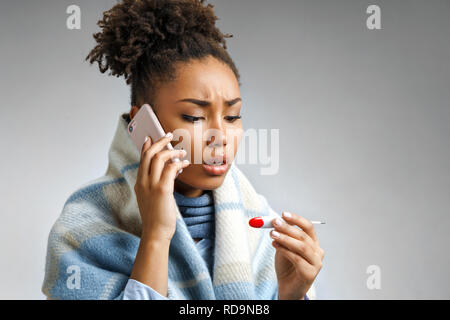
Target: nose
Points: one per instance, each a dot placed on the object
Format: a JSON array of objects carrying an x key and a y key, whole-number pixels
[
  {"x": 217, "y": 140},
  {"x": 216, "y": 146},
  {"x": 216, "y": 137}
]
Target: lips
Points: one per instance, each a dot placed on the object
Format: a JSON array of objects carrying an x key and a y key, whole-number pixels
[{"x": 216, "y": 166}]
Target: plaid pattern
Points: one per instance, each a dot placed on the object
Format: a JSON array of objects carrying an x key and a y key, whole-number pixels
[{"x": 95, "y": 239}]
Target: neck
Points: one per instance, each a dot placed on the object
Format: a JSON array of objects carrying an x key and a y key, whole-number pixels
[{"x": 187, "y": 190}]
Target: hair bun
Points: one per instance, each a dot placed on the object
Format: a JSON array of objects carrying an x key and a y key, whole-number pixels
[{"x": 133, "y": 28}]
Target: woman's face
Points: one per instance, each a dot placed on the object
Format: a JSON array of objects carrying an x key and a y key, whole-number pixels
[{"x": 203, "y": 106}]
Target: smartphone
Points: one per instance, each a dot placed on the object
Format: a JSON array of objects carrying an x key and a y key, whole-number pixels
[{"x": 145, "y": 123}]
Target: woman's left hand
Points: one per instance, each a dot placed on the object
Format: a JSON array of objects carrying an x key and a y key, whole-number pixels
[{"x": 298, "y": 257}]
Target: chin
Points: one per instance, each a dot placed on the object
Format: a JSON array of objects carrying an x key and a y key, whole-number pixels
[{"x": 196, "y": 177}]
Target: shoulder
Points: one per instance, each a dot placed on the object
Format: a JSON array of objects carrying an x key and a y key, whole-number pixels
[{"x": 85, "y": 213}]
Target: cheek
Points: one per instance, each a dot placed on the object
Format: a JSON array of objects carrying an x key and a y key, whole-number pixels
[
  {"x": 195, "y": 144},
  {"x": 233, "y": 140},
  {"x": 193, "y": 147}
]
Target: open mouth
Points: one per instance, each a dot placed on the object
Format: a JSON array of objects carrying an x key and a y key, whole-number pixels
[
  {"x": 216, "y": 166},
  {"x": 216, "y": 161}
]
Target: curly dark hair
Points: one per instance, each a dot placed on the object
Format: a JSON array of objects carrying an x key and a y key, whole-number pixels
[{"x": 143, "y": 39}]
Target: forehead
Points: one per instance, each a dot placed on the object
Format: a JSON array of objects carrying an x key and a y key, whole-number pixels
[{"x": 208, "y": 78}]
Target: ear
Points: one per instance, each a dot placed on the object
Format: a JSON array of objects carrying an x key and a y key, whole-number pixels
[{"x": 133, "y": 111}]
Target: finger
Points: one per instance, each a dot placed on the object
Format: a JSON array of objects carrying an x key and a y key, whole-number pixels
[
  {"x": 143, "y": 165},
  {"x": 296, "y": 246},
  {"x": 170, "y": 172},
  {"x": 158, "y": 162},
  {"x": 304, "y": 267},
  {"x": 293, "y": 231},
  {"x": 301, "y": 222},
  {"x": 150, "y": 151},
  {"x": 163, "y": 142}
]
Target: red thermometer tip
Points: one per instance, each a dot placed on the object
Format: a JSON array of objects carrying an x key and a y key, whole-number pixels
[{"x": 256, "y": 222}]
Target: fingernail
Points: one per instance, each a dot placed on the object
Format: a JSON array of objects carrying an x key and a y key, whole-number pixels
[
  {"x": 275, "y": 234},
  {"x": 169, "y": 135},
  {"x": 278, "y": 222},
  {"x": 287, "y": 215},
  {"x": 146, "y": 139}
]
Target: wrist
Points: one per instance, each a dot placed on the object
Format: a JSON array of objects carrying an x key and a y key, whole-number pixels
[
  {"x": 156, "y": 236},
  {"x": 291, "y": 295},
  {"x": 155, "y": 240}
]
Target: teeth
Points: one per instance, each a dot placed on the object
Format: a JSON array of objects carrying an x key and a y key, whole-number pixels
[{"x": 215, "y": 162}]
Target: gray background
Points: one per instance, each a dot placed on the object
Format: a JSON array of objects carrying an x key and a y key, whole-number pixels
[{"x": 363, "y": 118}]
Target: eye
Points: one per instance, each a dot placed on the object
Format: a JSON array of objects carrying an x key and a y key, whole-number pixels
[
  {"x": 232, "y": 118},
  {"x": 191, "y": 118}
]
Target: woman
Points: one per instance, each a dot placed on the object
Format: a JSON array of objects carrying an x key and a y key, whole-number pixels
[{"x": 143, "y": 232}]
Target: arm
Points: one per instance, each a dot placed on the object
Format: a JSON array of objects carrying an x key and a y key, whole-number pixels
[
  {"x": 151, "y": 264},
  {"x": 157, "y": 207}
]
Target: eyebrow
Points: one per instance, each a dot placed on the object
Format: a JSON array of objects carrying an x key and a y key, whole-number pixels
[{"x": 204, "y": 103}]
